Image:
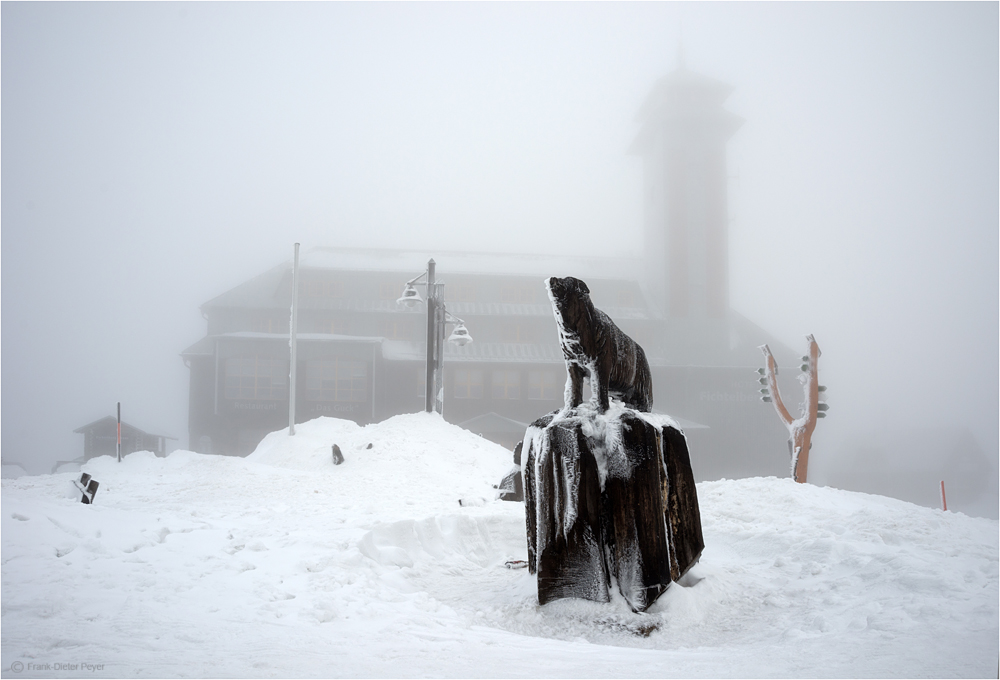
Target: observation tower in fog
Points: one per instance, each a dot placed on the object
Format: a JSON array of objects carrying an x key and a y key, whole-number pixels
[{"x": 682, "y": 141}]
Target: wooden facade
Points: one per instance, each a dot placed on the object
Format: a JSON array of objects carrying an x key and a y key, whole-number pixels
[{"x": 361, "y": 355}]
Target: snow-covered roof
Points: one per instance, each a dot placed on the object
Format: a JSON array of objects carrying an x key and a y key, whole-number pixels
[
  {"x": 112, "y": 419},
  {"x": 457, "y": 262},
  {"x": 260, "y": 291},
  {"x": 678, "y": 337},
  {"x": 272, "y": 289}
]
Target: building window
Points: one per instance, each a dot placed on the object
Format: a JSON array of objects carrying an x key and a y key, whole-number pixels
[
  {"x": 515, "y": 332},
  {"x": 336, "y": 380},
  {"x": 462, "y": 292},
  {"x": 336, "y": 327},
  {"x": 269, "y": 326},
  {"x": 518, "y": 293},
  {"x": 468, "y": 383},
  {"x": 256, "y": 377},
  {"x": 325, "y": 288},
  {"x": 543, "y": 385},
  {"x": 390, "y": 291},
  {"x": 506, "y": 384},
  {"x": 397, "y": 329},
  {"x": 331, "y": 326}
]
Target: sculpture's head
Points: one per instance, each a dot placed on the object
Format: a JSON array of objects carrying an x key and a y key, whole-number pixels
[
  {"x": 571, "y": 299},
  {"x": 563, "y": 288}
]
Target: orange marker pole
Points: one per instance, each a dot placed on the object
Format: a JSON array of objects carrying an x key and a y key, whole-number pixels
[
  {"x": 944, "y": 501},
  {"x": 119, "y": 432}
]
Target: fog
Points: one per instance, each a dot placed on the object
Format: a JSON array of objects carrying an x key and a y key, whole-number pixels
[{"x": 155, "y": 155}]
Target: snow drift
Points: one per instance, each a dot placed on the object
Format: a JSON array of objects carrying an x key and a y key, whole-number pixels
[{"x": 282, "y": 564}]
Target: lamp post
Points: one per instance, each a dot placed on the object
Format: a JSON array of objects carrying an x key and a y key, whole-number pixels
[{"x": 437, "y": 316}]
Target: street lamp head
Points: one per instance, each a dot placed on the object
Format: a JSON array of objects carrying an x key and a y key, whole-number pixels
[
  {"x": 460, "y": 336},
  {"x": 410, "y": 296}
]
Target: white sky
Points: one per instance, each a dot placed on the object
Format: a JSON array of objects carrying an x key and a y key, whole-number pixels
[{"x": 156, "y": 154}]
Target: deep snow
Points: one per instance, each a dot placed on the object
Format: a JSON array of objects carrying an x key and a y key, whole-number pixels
[{"x": 282, "y": 564}]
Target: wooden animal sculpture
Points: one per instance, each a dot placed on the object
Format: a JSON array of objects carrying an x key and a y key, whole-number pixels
[{"x": 595, "y": 347}]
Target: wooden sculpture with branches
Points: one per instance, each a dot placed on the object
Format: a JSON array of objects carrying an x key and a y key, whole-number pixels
[{"x": 799, "y": 429}]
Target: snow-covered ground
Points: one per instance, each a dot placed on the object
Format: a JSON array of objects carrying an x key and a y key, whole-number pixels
[{"x": 282, "y": 564}]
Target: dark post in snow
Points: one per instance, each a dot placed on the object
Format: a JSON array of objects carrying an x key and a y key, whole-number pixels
[
  {"x": 293, "y": 342},
  {"x": 87, "y": 488},
  {"x": 610, "y": 498},
  {"x": 799, "y": 429}
]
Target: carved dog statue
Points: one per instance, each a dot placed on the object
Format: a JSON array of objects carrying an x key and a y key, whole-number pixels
[{"x": 594, "y": 346}]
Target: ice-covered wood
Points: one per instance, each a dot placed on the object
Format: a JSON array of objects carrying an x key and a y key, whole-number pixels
[
  {"x": 610, "y": 503},
  {"x": 563, "y": 506},
  {"x": 683, "y": 515}
]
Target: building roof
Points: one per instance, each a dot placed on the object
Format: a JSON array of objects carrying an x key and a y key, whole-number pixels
[
  {"x": 677, "y": 345},
  {"x": 112, "y": 420},
  {"x": 459, "y": 262},
  {"x": 683, "y": 83},
  {"x": 685, "y": 97},
  {"x": 260, "y": 291},
  {"x": 272, "y": 289}
]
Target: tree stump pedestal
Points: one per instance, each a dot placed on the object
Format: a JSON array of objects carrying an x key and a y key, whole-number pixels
[{"x": 610, "y": 501}]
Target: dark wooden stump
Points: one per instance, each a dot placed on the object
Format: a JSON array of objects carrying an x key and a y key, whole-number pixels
[
  {"x": 608, "y": 500},
  {"x": 566, "y": 549},
  {"x": 683, "y": 515}
]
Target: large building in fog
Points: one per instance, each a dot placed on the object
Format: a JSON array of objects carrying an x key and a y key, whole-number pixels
[{"x": 361, "y": 355}]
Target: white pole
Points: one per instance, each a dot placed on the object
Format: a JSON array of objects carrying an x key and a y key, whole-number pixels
[
  {"x": 439, "y": 347},
  {"x": 429, "y": 396},
  {"x": 292, "y": 342}
]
